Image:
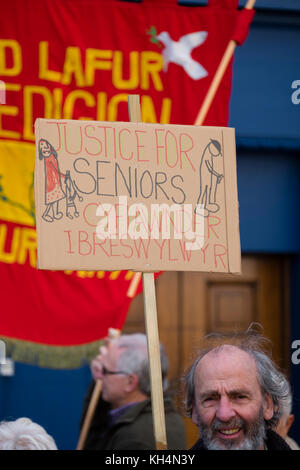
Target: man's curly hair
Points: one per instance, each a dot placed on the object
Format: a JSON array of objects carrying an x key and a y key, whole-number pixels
[{"x": 272, "y": 381}]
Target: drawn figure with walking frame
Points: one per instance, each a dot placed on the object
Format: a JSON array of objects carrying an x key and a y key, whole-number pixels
[{"x": 209, "y": 179}]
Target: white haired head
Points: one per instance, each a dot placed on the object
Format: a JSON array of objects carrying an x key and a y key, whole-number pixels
[
  {"x": 23, "y": 434},
  {"x": 134, "y": 360}
]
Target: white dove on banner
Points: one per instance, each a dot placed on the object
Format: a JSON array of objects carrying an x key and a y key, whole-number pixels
[{"x": 179, "y": 52}]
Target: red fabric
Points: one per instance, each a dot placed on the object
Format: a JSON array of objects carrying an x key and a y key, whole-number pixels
[
  {"x": 224, "y": 3},
  {"x": 242, "y": 26},
  {"x": 71, "y": 59},
  {"x": 55, "y": 308}
]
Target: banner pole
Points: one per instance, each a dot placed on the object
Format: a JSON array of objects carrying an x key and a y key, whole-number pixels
[
  {"x": 218, "y": 75},
  {"x": 89, "y": 415},
  {"x": 113, "y": 334},
  {"x": 151, "y": 324},
  {"x": 134, "y": 284}
]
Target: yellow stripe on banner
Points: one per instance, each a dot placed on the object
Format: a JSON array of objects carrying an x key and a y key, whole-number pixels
[
  {"x": 129, "y": 275},
  {"x": 17, "y": 182},
  {"x": 114, "y": 275}
]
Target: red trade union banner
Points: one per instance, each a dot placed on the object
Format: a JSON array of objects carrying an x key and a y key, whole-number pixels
[{"x": 78, "y": 59}]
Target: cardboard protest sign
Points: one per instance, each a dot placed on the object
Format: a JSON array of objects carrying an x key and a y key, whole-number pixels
[{"x": 146, "y": 197}]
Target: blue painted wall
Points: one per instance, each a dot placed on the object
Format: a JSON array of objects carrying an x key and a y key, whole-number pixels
[
  {"x": 265, "y": 67},
  {"x": 52, "y": 398},
  {"x": 269, "y": 200}
]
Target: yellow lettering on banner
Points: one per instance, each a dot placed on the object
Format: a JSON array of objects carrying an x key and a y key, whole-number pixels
[
  {"x": 27, "y": 246},
  {"x": 16, "y": 51},
  {"x": 151, "y": 65},
  {"x": 9, "y": 111},
  {"x": 165, "y": 115},
  {"x": 101, "y": 106},
  {"x": 44, "y": 72},
  {"x": 96, "y": 59},
  {"x": 129, "y": 275},
  {"x": 73, "y": 66},
  {"x": 114, "y": 275},
  {"x": 117, "y": 79},
  {"x": 112, "y": 110},
  {"x": 89, "y": 274},
  {"x": 29, "y": 92},
  {"x": 84, "y": 274},
  {"x": 148, "y": 110},
  {"x": 12, "y": 87},
  {"x": 72, "y": 98},
  {"x": 10, "y": 257},
  {"x": 57, "y": 103}
]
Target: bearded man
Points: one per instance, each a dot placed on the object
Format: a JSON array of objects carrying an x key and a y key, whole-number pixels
[{"x": 235, "y": 395}]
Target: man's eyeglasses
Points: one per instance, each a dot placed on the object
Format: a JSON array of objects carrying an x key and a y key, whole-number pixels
[{"x": 106, "y": 371}]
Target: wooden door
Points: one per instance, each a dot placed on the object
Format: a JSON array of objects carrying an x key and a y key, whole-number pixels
[{"x": 191, "y": 305}]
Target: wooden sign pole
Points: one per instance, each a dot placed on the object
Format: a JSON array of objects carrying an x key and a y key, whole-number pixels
[
  {"x": 151, "y": 328},
  {"x": 89, "y": 415},
  {"x": 154, "y": 361}
]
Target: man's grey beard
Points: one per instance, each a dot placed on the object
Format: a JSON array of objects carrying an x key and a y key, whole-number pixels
[{"x": 254, "y": 434}]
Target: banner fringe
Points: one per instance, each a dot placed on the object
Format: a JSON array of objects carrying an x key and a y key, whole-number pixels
[{"x": 48, "y": 356}]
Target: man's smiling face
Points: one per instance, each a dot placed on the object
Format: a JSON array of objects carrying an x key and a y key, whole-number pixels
[{"x": 229, "y": 407}]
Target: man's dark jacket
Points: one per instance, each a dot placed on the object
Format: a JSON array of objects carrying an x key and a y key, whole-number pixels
[
  {"x": 273, "y": 442},
  {"x": 134, "y": 429}
]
